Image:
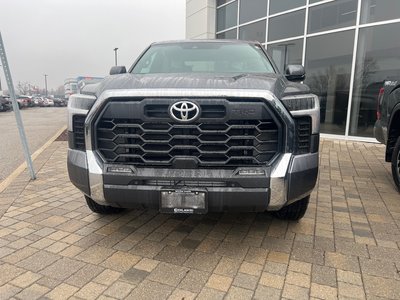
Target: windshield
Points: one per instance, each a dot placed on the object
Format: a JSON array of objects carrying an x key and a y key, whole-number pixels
[{"x": 203, "y": 57}]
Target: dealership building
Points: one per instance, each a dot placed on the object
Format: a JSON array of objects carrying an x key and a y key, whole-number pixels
[{"x": 348, "y": 47}]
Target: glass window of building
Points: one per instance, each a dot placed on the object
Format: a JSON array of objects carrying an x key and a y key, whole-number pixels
[
  {"x": 379, "y": 10},
  {"x": 332, "y": 15},
  {"x": 286, "y": 53},
  {"x": 328, "y": 68},
  {"x": 220, "y": 2},
  {"x": 377, "y": 59},
  {"x": 252, "y": 10},
  {"x": 229, "y": 35},
  {"x": 253, "y": 32},
  {"x": 286, "y": 26},
  {"x": 282, "y": 5},
  {"x": 227, "y": 16}
]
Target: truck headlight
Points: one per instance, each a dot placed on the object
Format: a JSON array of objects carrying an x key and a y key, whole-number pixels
[{"x": 300, "y": 102}]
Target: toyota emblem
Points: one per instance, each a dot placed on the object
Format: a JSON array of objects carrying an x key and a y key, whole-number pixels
[{"x": 184, "y": 111}]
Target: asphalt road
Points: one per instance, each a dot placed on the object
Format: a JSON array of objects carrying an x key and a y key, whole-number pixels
[{"x": 40, "y": 123}]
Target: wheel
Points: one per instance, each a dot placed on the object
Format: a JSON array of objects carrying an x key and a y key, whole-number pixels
[
  {"x": 102, "y": 209},
  {"x": 396, "y": 164},
  {"x": 294, "y": 211}
]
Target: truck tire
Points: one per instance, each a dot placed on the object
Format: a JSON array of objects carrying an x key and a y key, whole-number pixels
[
  {"x": 294, "y": 211},
  {"x": 102, "y": 209},
  {"x": 396, "y": 164}
]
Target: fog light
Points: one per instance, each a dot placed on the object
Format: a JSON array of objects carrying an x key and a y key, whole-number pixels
[
  {"x": 251, "y": 172},
  {"x": 124, "y": 170}
]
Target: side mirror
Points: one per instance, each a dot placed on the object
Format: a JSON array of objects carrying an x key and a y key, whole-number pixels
[
  {"x": 117, "y": 70},
  {"x": 295, "y": 73}
]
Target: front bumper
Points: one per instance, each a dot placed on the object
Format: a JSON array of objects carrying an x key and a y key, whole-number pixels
[{"x": 290, "y": 178}]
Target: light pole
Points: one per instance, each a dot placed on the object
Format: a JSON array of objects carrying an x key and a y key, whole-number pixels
[
  {"x": 115, "y": 55},
  {"x": 45, "y": 82}
]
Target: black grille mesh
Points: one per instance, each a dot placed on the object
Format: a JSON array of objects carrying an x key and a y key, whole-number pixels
[
  {"x": 303, "y": 135},
  {"x": 227, "y": 144},
  {"x": 78, "y": 124}
]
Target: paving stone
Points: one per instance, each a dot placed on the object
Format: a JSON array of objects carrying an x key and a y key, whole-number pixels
[
  {"x": 275, "y": 268},
  {"x": 295, "y": 292},
  {"x": 323, "y": 291},
  {"x": 298, "y": 279},
  {"x": 324, "y": 275},
  {"x": 341, "y": 261},
  {"x": 134, "y": 276},
  {"x": 267, "y": 293},
  {"x": 202, "y": 261},
  {"x": 354, "y": 291},
  {"x": 147, "y": 264},
  {"x": 173, "y": 255},
  {"x": 250, "y": 268},
  {"x": 26, "y": 279},
  {"x": 7, "y": 291},
  {"x": 84, "y": 275},
  {"x": 379, "y": 268},
  {"x": 120, "y": 261},
  {"x": 35, "y": 291},
  {"x": 245, "y": 281},
  {"x": 62, "y": 269},
  {"x": 149, "y": 290},
  {"x": 168, "y": 274},
  {"x": 210, "y": 294},
  {"x": 194, "y": 281},
  {"x": 91, "y": 290},
  {"x": 107, "y": 277},
  {"x": 272, "y": 280},
  {"x": 179, "y": 294},
  {"x": 119, "y": 289},
  {"x": 62, "y": 291},
  {"x": 219, "y": 282},
  {"x": 38, "y": 261},
  {"x": 227, "y": 266},
  {"x": 382, "y": 287},
  {"x": 237, "y": 293}
]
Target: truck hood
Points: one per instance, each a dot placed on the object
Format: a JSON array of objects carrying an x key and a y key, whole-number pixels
[{"x": 274, "y": 83}]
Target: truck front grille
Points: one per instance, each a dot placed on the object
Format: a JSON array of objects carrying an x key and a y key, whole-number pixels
[{"x": 218, "y": 138}]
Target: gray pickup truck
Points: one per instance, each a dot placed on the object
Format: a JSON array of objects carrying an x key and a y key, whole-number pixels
[
  {"x": 387, "y": 126},
  {"x": 196, "y": 126}
]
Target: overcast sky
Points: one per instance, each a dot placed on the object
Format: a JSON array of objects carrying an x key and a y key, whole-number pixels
[{"x": 70, "y": 38}]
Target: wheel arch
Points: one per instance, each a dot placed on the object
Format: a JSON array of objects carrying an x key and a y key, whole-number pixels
[{"x": 393, "y": 131}]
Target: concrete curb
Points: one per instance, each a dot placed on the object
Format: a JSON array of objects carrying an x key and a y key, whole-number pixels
[{"x": 10, "y": 178}]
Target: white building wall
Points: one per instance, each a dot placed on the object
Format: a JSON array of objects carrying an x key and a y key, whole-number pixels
[{"x": 200, "y": 19}]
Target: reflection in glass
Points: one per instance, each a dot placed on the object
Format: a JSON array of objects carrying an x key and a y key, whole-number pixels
[
  {"x": 286, "y": 26},
  {"x": 328, "y": 68},
  {"x": 377, "y": 59},
  {"x": 252, "y": 10},
  {"x": 286, "y": 53},
  {"x": 374, "y": 10},
  {"x": 227, "y": 16},
  {"x": 332, "y": 15},
  {"x": 229, "y": 35},
  {"x": 282, "y": 5},
  {"x": 253, "y": 32}
]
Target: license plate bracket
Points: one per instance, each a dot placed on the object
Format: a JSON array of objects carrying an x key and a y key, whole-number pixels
[{"x": 183, "y": 201}]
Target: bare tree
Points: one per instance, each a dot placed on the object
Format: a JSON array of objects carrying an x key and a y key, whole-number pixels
[{"x": 23, "y": 88}]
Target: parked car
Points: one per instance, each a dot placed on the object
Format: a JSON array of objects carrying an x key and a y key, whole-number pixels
[
  {"x": 59, "y": 102},
  {"x": 197, "y": 126},
  {"x": 25, "y": 101},
  {"x": 387, "y": 125},
  {"x": 5, "y": 105}
]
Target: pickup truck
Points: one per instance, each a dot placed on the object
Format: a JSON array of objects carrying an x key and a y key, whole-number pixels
[
  {"x": 193, "y": 127},
  {"x": 387, "y": 125}
]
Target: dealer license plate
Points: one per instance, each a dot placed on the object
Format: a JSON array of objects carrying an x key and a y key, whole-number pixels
[{"x": 183, "y": 201}]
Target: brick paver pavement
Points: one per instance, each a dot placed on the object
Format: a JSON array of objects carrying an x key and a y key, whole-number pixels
[{"x": 347, "y": 246}]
